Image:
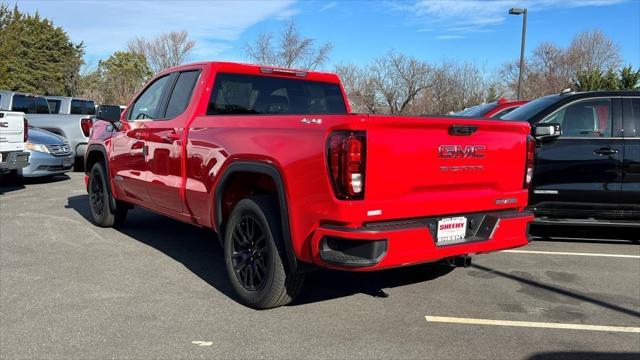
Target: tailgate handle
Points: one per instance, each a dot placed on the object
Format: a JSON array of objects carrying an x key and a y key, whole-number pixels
[{"x": 462, "y": 130}]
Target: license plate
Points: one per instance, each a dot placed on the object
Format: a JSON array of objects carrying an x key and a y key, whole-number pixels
[
  {"x": 67, "y": 161},
  {"x": 451, "y": 229}
]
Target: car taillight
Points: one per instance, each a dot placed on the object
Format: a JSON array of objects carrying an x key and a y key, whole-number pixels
[
  {"x": 26, "y": 130},
  {"x": 531, "y": 148},
  {"x": 86, "y": 125},
  {"x": 346, "y": 160}
]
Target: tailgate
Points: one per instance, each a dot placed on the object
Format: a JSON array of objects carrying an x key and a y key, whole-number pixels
[
  {"x": 11, "y": 131},
  {"x": 438, "y": 166}
]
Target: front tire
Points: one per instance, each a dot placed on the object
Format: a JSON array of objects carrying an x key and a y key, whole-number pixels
[
  {"x": 100, "y": 200},
  {"x": 254, "y": 254}
]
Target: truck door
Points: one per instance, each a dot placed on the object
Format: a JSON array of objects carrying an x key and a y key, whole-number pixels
[
  {"x": 580, "y": 172},
  {"x": 631, "y": 164},
  {"x": 164, "y": 176},
  {"x": 128, "y": 164}
]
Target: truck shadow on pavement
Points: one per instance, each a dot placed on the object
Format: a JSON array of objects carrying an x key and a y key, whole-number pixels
[{"x": 200, "y": 252}]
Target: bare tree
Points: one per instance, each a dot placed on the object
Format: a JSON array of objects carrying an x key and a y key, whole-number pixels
[
  {"x": 551, "y": 68},
  {"x": 165, "y": 51},
  {"x": 593, "y": 50},
  {"x": 399, "y": 79},
  {"x": 361, "y": 89},
  {"x": 290, "y": 50}
]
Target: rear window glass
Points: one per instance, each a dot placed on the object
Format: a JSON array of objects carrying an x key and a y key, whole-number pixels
[
  {"x": 30, "y": 104},
  {"x": 42, "y": 106},
  {"x": 83, "y": 107},
  {"x": 478, "y": 110},
  {"x": 632, "y": 118},
  {"x": 54, "y": 106},
  {"x": 251, "y": 94}
]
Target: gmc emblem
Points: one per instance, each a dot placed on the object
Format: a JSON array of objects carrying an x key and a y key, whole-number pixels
[{"x": 460, "y": 151}]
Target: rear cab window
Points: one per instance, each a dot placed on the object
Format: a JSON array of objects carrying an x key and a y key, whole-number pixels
[
  {"x": 82, "y": 107},
  {"x": 478, "y": 110},
  {"x": 29, "y": 104},
  {"x": 54, "y": 106},
  {"x": 239, "y": 94}
]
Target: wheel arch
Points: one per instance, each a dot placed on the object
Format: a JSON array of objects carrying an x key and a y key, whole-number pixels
[
  {"x": 96, "y": 153},
  {"x": 270, "y": 170}
]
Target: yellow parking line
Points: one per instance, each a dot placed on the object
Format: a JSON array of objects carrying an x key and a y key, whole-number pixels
[
  {"x": 457, "y": 320},
  {"x": 571, "y": 254}
]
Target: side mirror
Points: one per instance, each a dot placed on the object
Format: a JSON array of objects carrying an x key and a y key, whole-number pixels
[
  {"x": 546, "y": 131},
  {"x": 110, "y": 113}
]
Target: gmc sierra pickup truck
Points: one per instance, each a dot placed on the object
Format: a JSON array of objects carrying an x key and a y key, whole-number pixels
[
  {"x": 14, "y": 131},
  {"x": 274, "y": 162},
  {"x": 74, "y": 126}
]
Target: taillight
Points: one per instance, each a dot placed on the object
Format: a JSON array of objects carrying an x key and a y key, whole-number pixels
[
  {"x": 26, "y": 130},
  {"x": 346, "y": 160},
  {"x": 531, "y": 148},
  {"x": 86, "y": 125}
]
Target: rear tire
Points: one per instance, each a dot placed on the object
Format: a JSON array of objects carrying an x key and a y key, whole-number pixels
[
  {"x": 253, "y": 254},
  {"x": 100, "y": 200}
]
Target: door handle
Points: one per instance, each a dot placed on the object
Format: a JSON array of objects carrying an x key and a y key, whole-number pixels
[{"x": 605, "y": 151}]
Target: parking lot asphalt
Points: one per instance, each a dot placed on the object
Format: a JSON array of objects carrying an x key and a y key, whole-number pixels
[{"x": 156, "y": 288}]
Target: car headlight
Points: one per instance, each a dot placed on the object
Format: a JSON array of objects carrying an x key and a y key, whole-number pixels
[{"x": 37, "y": 147}]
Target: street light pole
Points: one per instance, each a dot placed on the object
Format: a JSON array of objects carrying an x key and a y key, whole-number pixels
[{"x": 523, "y": 12}]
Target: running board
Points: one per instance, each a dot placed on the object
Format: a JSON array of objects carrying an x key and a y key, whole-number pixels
[{"x": 588, "y": 222}]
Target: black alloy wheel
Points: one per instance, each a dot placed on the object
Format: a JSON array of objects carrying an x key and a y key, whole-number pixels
[{"x": 249, "y": 255}]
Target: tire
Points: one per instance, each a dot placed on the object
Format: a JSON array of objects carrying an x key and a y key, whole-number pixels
[
  {"x": 100, "y": 200},
  {"x": 253, "y": 254}
]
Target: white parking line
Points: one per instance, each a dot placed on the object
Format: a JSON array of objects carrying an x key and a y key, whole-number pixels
[
  {"x": 456, "y": 320},
  {"x": 571, "y": 254}
]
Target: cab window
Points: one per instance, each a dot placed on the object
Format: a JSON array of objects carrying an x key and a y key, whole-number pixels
[
  {"x": 585, "y": 118},
  {"x": 147, "y": 106},
  {"x": 632, "y": 117}
]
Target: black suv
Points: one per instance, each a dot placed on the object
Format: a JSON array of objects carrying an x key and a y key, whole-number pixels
[{"x": 587, "y": 168}]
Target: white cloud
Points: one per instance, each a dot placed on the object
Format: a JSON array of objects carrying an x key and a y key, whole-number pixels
[
  {"x": 456, "y": 16},
  {"x": 449, "y": 37},
  {"x": 107, "y": 26},
  {"x": 328, "y": 6}
]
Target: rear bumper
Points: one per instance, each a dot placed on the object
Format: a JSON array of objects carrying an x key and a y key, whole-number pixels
[
  {"x": 402, "y": 243},
  {"x": 14, "y": 160}
]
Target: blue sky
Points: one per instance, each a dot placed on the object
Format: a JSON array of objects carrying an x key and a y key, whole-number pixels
[{"x": 479, "y": 31}]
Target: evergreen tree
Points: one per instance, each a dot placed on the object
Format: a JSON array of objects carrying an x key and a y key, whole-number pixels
[
  {"x": 629, "y": 79},
  {"x": 36, "y": 56}
]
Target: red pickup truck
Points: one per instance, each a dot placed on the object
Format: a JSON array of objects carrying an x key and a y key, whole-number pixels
[{"x": 274, "y": 162}]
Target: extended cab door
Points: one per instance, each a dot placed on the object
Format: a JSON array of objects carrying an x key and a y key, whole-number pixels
[
  {"x": 630, "y": 198},
  {"x": 165, "y": 143},
  {"x": 579, "y": 174},
  {"x": 128, "y": 163}
]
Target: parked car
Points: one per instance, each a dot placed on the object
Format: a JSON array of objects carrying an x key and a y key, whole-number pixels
[
  {"x": 70, "y": 105},
  {"x": 493, "y": 110},
  {"x": 50, "y": 154},
  {"x": 273, "y": 160},
  {"x": 587, "y": 157},
  {"x": 74, "y": 127},
  {"x": 13, "y": 134}
]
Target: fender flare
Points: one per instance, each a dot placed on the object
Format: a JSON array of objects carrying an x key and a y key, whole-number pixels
[
  {"x": 100, "y": 148},
  {"x": 271, "y": 171}
]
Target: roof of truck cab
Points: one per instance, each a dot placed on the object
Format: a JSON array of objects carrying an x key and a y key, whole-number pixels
[{"x": 254, "y": 69}]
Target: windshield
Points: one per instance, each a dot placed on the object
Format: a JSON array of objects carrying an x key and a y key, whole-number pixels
[
  {"x": 478, "y": 110},
  {"x": 531, "y": 109}
]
